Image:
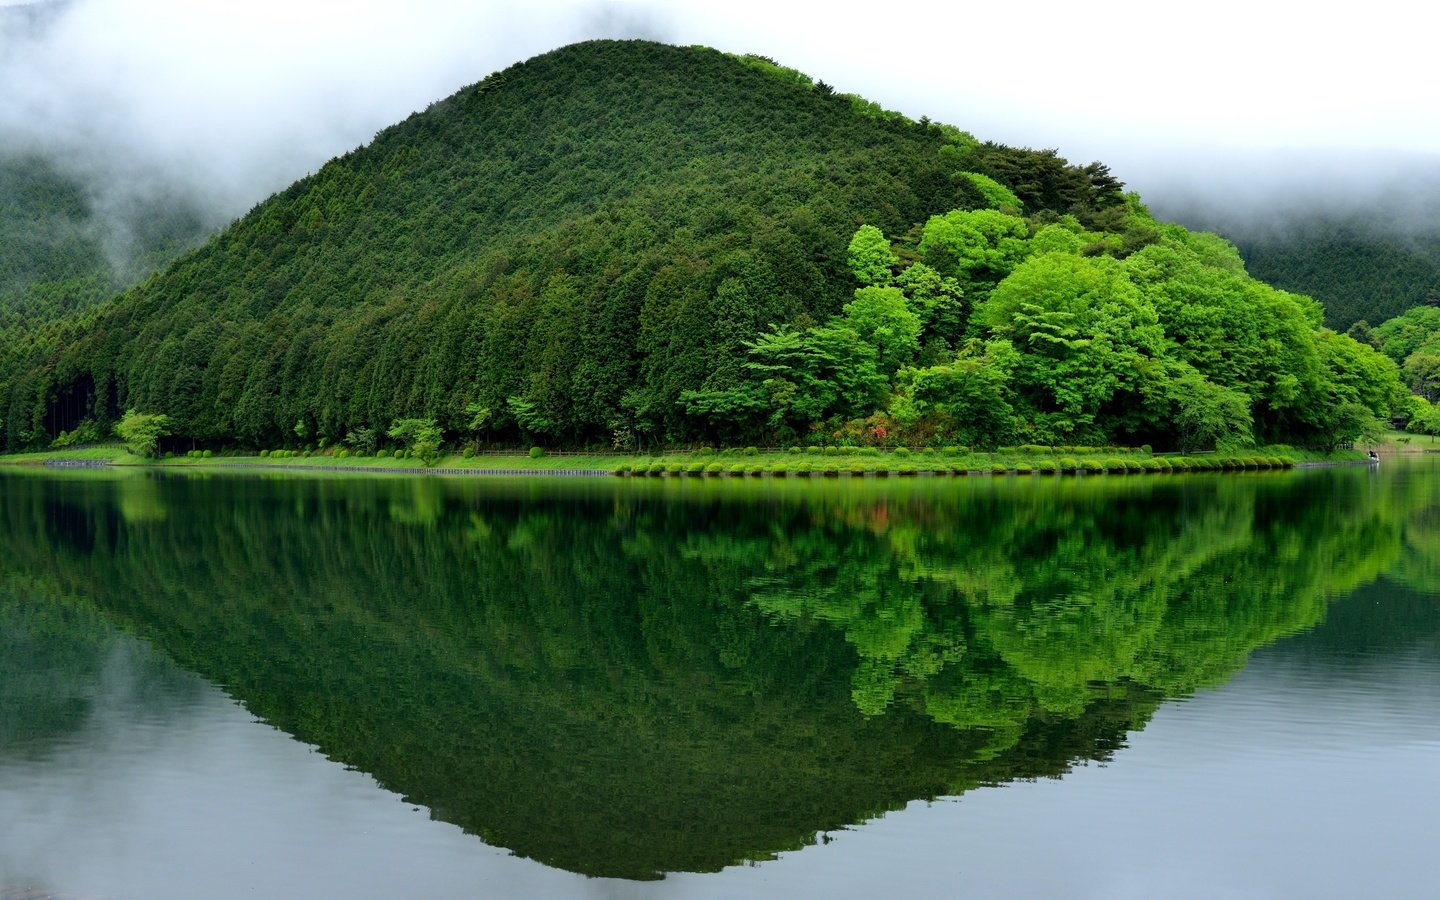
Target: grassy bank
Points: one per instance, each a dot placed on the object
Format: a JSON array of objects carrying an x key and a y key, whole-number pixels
[
  {"x": 749, "y": 461},
  {"x": 1394, "y": 441},
  {"x": 1011, "y": 461}
]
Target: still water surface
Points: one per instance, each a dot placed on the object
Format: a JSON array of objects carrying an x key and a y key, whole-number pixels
[{"x": 228, "y": 686}]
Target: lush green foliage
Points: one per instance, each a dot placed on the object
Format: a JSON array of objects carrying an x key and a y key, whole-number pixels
[
  {"x": 625, "y": 244},
  {"x": 997, "y": 195},
  {"x": 560, "y": 251},
  {"x": 419, "y": 437},
  {"x": 1412, "y": 340},
  {"x": 1150, "y": 335},
  {"x": 142, "y": 432}
]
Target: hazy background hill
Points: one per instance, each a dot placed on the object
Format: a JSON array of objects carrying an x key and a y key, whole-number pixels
[
  {"x": 75, "y": 229},
  {"x": 1359, "y": 233},
  {"x": 59, "y": 250},
  {"x": 1359, "y": 274}
]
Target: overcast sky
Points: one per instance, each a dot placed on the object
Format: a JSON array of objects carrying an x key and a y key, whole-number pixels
[{"x": 231, "y": 101}]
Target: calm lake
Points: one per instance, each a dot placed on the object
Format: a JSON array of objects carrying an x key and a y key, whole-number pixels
[{"x": 218, "y": 685}]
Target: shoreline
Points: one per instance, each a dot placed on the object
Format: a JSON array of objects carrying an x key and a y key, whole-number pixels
[{"x": 733, "y": 464}]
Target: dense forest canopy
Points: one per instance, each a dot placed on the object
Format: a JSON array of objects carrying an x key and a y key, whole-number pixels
[{"x": 626, "y": 243}]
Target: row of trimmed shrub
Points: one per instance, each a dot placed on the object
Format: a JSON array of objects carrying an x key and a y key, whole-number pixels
[
  {"x": 1143, "y": 449},
  {"x": 803, "y": 468},
  {"x": 1117, "y": 464},
  {"x": 346, "y": 453},
  {"x": 337, "y": 453},
  {"x": 1065, "y": 465},
  {"x": 830, "y": 450},
  {"x": 949, "y": 450},
  {"x": 1130, "y": 454}
]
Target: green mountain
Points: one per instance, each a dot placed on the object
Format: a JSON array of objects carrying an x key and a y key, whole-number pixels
[{"x": 628, "y": 242}]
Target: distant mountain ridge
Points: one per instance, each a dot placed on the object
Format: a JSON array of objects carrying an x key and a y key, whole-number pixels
[
  {"x": 1356, "y": 275},
  {"x": 1361, "y": 234},
  {"x": 1358, "y": 270}
]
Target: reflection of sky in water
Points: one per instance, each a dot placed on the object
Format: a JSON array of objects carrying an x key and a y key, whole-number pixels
[
  {"x": 198, "y": 799},
  {"x": 1304, "y": 776},
  {"x": 1283, "y": 783}
]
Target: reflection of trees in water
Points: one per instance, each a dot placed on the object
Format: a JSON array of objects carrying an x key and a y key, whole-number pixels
[
  {"x": 632, "y": 678},
  {"x": 986, "y": 612},
  {"x": 1419, "y": 564}
]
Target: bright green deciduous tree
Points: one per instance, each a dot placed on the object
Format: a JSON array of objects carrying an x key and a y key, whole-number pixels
[
  {"x": 1403, "y": 335},
  {"x": 812, "y": 375},
  {"x": 142, "y": 432},
  {"x": 1056, "y": 238},
  {"x": 1424, "y": 418},
  {"x": 1422, "y": 372},
  {"x": 997, "y": 195},
  {"x": 871, "y": 258},
  {"x": 971, "y": 394},
  {"x": 732, "y": 411},
  {"x": 882, "y": 318},
  {"x": 938, "y": 301},
  {"x": 1088, "y": 341},
  {"x": 1350, "y": 421},
  {"x": 1358, "y": 372},
  {"x": 795, "y": 379},
  {"x": 976, "y": 246},
  {"x": 1207, "y": 415},
  {"x": 420, "y": 436},
  {"x": 528, "y": 414},
  {"x": 362, "y": 438}
]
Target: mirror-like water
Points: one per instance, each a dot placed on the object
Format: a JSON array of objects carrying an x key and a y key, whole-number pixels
[{"x": 1175, "y": 686}]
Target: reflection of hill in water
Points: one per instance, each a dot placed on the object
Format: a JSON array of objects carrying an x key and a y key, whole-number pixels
[
  {"x": 62, "y": 662},
  {"x": 628, "y": 679},
  {"x": 1376, "y": 625}
]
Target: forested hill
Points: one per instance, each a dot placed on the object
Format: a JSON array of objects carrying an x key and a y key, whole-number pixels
[{"x": 631, "y": 242}]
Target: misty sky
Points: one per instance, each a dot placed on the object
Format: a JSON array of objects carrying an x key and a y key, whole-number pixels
[{"x": 1227, "y": 101}]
